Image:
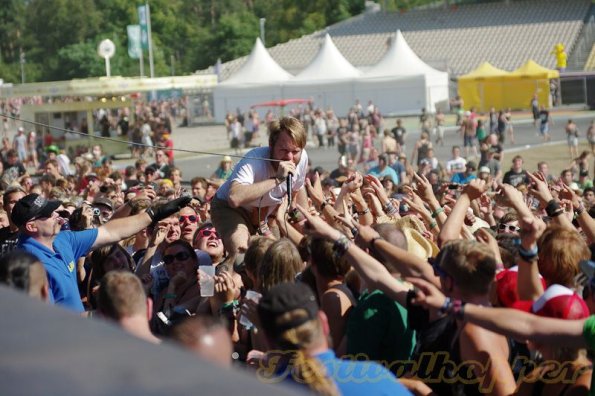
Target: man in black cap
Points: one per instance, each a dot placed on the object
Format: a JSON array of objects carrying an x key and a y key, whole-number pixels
[
  {"x": 39, "y": 226},
  {"x": 299, "y": 331}
]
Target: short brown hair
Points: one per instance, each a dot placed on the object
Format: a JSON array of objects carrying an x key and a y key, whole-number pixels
[
  {"x": 292, "y": 126},
  {"x": 560, "y": 251},
  {"x": 121, "y": 295},
  {"x": 254, "y": 254},
  {"x": 470, "y": 264},
  {"x": 281, "y": 263},
  {"x": 326, "y": 262}
]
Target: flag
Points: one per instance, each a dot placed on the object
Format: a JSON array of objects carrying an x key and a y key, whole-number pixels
[
  {"x": 134, "y": 44},
  {"x": 143, "y": 22}
]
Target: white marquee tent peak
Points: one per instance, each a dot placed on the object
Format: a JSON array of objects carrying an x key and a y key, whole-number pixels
[
  {"x": 328, "y": 64},
  {"x": 259, "y": 68},
  {"x": 400, "y": 60}
]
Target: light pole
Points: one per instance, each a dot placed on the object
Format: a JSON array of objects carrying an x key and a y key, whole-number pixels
[
  {"x": 262, "y": 21},
  {"x": 22, "y": 62}
]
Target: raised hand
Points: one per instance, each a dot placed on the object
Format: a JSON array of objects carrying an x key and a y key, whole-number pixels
[
  {"x": 427, "y": 295},
  {"x": 540, "y": 188},
  {"x": 315, "y": 190},
  {"x": 424, "y": 188},
  {"x": 475, "y": 189},
  {"x": 225, "y": 288}
]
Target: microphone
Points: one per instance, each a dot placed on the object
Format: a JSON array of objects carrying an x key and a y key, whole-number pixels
[{"x": 289, "y": 189}]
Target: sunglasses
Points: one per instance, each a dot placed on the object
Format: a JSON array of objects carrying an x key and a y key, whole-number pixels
[
  {"x": 207, "y": 232},
  {"x": 439, "y": 272},
  {"x": 168, "y": 259},
  {"x": 190, "y": 218},
  {"x": 510, "y": 228}
]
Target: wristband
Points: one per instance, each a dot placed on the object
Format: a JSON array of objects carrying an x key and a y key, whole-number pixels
[
  {"x": 373, "y": 242},
  {"x": 170, "y": 296},
  {"x": 433, "y": 225},
  {"x": 341, "y": 246},
  {"x": 364, "y": 212},
  {"x": 437, "y": 212},
  {"x": 458, "y": 309},
  {"x": 446, "y": 307},
  {"x": 579, "y": 211},
  {"x": 528, "y": 255},
  {"x": 390, "y": 209},
  {"x": 278, "y": 179},
  {"x": 230, "y": 307}
]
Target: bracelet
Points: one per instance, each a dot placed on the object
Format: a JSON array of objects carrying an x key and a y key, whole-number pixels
[
  {"x": 364, "y": 212},
  {"x": 528, "y": 255},
  {"x": 170, "y": 296},
  {"x": 580, "y": 210},
  {"x": 279, "y": 180},
  {"x": 437, "y": 212},
  {"x": 373, "y": 242},
  {"x": 230, "y": 307},
  {"x": 433, "y": 225},
  {"x": 446, "y": 307},
  {"x": 390, "y": 209},
  {"x": 341, "y": 246},
  {"x": 458, "y": 309}
]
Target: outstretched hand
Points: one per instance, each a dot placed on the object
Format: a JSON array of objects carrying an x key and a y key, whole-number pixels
[{"x": 427, "y": 295}]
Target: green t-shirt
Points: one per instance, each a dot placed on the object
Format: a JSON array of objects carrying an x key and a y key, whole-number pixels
[
  {"x": 377, "y": 328},
  {"x": 589, "y": 335}
]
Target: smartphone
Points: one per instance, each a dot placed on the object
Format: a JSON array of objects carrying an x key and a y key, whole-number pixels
[{"x": 453, "y": 186}]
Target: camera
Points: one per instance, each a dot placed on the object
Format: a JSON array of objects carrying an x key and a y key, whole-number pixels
[{"x": 96, "y": 212}]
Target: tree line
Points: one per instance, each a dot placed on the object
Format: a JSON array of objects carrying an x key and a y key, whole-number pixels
[{"x": 58, "y": 39}]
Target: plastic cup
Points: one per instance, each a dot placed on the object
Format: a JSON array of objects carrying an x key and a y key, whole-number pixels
[
  {"x": 253, "y": 296},
  {"x": 207, "y": 280}
]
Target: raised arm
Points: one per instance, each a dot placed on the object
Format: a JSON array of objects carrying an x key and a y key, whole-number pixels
[
  {"x": 118, "y": 229},
  {"x": 454, "y": 223},
  {"x": 240, "y": 194},
  {"x": 513, "y": 323},
  {"x": 372, "y": 271}
]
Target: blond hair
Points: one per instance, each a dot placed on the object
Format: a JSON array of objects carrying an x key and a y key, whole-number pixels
[
  {"x": 292, "y": 126},
  {"x": 121, "y": 295},
  {"x": 304, "y": 368}
]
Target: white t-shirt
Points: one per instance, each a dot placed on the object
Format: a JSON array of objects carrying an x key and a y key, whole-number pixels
[
  {"x": 251, "y": 170},
  {"x": 456, "y": 165}
]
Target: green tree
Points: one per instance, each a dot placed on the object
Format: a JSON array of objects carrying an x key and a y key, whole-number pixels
[{"x": 233, "y": 37}]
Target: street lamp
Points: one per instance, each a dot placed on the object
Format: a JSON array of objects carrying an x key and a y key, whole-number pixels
[
  {"x": 262, "y": 21},
  {"x": 22, "y": 61}
]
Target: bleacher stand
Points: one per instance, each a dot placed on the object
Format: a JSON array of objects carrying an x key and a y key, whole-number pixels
[{"x": 456, "y": 39}]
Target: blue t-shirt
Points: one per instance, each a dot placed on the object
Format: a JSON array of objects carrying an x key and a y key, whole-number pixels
[
  {"x": 61, "y": 265},
  {"x": 387, "y": 171},
  {"x": 359, "y": 377},
  {"x": 461, "y": 178},
  {"x": 351, "y": 377}
]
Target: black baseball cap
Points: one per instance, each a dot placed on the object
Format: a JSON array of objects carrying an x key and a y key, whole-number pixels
[
  {"x": 283, "y": 298},
  {"x": 32, "y": 206}
]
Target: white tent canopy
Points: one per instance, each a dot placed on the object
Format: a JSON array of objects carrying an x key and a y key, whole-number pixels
[
  {"x": 259, "y": 68},
  {"x": 328, "y": 79},
  {"x": 402, "y": 83},
  {"x": 400, "y": 60},
  {"x": 328, "y": 64},
  {"x": 258, "y": 80}
]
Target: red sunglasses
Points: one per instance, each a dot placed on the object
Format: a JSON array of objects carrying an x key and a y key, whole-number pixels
[
  {"x": 190, "y": 218},
  {"x": 207, "y": 232}
]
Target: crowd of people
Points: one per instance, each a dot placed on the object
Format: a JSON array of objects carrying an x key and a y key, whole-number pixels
[{"x": 387, "y": 275}]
